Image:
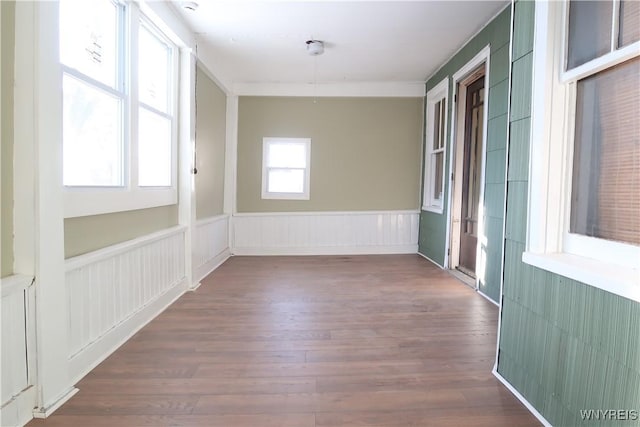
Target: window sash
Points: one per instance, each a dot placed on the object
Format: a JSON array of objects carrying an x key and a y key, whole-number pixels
[
  {"x": 267, "y": 143},
  {"x": 436, "y": 112}
]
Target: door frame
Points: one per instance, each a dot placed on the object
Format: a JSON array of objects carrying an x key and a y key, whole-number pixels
[{"x": 460, "y": 80}]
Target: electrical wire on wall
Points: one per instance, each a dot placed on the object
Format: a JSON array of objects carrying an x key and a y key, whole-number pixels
[{"x": 194, "y": 171}]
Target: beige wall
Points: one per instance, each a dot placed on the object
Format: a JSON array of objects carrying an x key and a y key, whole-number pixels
[
  {"x": 365, "y": 152},
  {"x": 8, "y": 37},
  {"x": 210, "y": 146},
  {"x": 89, "y": 233}
]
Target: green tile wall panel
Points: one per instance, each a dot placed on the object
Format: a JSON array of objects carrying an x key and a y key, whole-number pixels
[
  {"x": 495, "y": 167},
  {"x": 516, "y": 228},
  {"x": 565, "y": 346},
  {"x": 498, "y": 99},
  {"x": 521, "y": 87},
  {"x": 432, "y": 231},
  {"x": 499, "y": 65},
  {"x": 497, "y": 133},
  {"x": 519, "y": 150},
  {"x": 494, "y": 200},
  {"x": 523, "y": 28}
]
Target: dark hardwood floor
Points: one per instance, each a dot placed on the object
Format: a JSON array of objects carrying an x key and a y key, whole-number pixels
[{"x": 387, "y": 340}]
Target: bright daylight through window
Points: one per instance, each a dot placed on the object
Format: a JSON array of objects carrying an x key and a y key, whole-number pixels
[
  {"x": 119, "y": 99},
  {"x": 285, "y": 168}
]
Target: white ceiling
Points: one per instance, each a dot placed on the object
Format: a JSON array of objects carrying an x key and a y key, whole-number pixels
[{"x": 246, "y": 42}]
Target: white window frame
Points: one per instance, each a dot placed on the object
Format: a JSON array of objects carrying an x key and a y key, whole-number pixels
[
  {"x": 93, "y": 200},
  {"x": 266, "y": 141},
  {"x": 607, "y": 265},
  {"x": 439, "y": 92}
]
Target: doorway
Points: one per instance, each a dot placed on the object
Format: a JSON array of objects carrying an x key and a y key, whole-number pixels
[{"x": 467, "y": 174}]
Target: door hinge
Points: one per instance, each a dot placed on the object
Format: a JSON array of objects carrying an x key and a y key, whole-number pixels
[
  {"x": 455, "y": 98},
  {"x": 452, "y": 175}
]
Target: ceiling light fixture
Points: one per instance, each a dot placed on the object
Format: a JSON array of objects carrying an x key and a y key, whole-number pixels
[
  {"x": 190, "y": 5},
  {"x": 315, "y": 47}
]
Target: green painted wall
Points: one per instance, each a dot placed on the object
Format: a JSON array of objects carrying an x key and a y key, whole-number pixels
[
  {"x": 210, "y": 146},
  {"x": 7, "y": 66},
  {"x": 365, "y": 152},
  {"x": 89, "y": 233},
  {"x": 565, "y": 346},
  {"x": 433, "y": 226}
]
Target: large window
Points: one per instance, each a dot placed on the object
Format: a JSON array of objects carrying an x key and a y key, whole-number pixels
[
  {"x": 435, "y": 142},
  {"x": 585, "y": 178},
  {"x": 119, "y": 108},
  {"x": 286, "y": 168}
]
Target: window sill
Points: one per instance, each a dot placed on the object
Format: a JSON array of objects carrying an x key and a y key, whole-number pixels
[
  {"x": 434, "y": 209},
  {"x": 92, "y": 201},
  {"x": 622, "y": 281}
]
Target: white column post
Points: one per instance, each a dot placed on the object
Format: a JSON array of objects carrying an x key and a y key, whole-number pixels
[
  {"x": 231, "y": 163},
  {"x": 39, "y": 245},
  {"x": 186, "y": 143}
]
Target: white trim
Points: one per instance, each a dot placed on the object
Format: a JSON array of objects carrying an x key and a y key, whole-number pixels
[
  {"x": 325, "y": 250},
  {"x": 430, "y": 260},
  {"x": 95, "y": 353},
  {"x": 463, "y": 45},
  {"x": 19, "y": 410},
  {"x": 211, "y": 220},
  {"x": 210, "y": 266},
  {"x": 439, "y": 93},
  {"x": 324, "y": 213},
  {"x": 355, "y": 89},
  {"x": 506, "y": 183},
  {"x": 606, "y": 265},
  {"x": 15, "y": 283},
  {"x": 521, "y": 398},
  {"x": 41, "y": 413},
  {"x": 482, "y": 57},
  {"x": 485, "y": 296},
  {"x": 266, "y": 144}
]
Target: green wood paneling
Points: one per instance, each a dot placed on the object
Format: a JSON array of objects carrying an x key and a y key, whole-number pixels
[
  {"x": 433, "y": 226},
  {"x": 497, "y": 133},
  {"x": 565, "y": 346}
]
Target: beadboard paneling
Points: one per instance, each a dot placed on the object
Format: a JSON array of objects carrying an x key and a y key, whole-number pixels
[
  {"x": 107, "y": 289},
  {"x": 365, "y": 232},
  {"x": 210, "y": 245}
]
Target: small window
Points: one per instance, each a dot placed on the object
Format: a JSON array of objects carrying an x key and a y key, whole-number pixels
[
  {"x": 286, "y": 168},
  {"x": 436, "y": 136}
]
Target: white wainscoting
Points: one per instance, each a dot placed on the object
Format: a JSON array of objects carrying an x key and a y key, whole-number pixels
[
  {"x": 113, "y": 292},
  {"x": 18, "y": 345},
  {"x": 210, "y": 245},
  {"x": 325, "y": 233}
]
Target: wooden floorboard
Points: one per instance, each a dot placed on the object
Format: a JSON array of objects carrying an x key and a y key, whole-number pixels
[{"x": 381, "y": 340}]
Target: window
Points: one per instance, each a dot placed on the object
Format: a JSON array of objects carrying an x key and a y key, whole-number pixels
[
  {"x": 435, "y": 141},
  {"x": 286, "y": 168},
  {"x": 119, "y": 109},
  {"x": 585, "y": 159}
]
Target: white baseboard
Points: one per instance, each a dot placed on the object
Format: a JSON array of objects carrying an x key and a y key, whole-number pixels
[
  {"x": 207, "y": 268},
  {"x": 91, "y": 356},
  {"x": 326, "y": 250},
  {"x": 521, "y": 398},
  {"x": 488, "y": 298},
  {"x": 428, "y": 259},
  {"x": 45, "y": 412},
  {"x": 19, "y": 410}
]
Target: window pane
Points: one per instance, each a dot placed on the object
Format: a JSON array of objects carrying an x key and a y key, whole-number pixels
[
  {"x": 629, "y": 22},
  {"x": 287, "y": 155},
  {"x": 154, "y": 65},
  {"x": 89, "y": 38},
  {"x": 285, "y": 181},
  {"x": 92, "y": 135},
  {"x": 154, "y": 150},
  {"x": 605, "y": 198},
  {"x": 437, "y": 178},
  {"x": 589, "y": 31}
]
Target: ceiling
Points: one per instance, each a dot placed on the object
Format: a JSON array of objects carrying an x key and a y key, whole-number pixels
[{"x": 246, "y": 42}]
